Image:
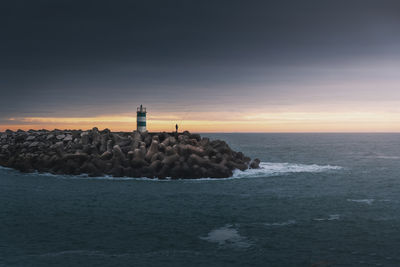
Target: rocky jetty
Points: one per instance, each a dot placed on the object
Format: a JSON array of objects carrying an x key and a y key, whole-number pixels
[{"x": 119, "y": 154}]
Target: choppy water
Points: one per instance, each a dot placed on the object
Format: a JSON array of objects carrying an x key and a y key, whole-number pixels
[{"x": 320, "y": 200}]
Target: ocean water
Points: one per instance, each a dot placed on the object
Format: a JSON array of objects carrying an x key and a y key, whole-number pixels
[{"x": 319, "y": 200}]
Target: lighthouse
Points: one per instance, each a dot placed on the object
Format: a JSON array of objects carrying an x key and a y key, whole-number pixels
[{"x": 141, "y": 119}]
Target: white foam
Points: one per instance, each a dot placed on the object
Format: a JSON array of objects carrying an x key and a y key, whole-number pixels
[
  {"x": 273, "y": 169},
  {"x": 368, "y": 201},
  {"x": 86, "y": 176},
  {"x": 227, "y": 236},
  {"x": 333, "y": 217},
  {"x": 266, "y": 169},
  {"x": 281, "y": 223}
]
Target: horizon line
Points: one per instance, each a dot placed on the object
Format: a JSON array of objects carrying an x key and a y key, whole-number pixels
[{"x": 230, "y": 132}]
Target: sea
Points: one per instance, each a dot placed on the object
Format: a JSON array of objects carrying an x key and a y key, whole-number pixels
[{"x": 318, "y": 200}]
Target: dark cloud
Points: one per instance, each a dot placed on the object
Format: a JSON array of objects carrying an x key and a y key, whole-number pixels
[
  {"x": 64, "y": 55},
  {"x": 65, "y": 33}
]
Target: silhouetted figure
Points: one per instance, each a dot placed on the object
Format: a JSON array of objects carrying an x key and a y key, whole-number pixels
[{"x": 176, "y": 128}]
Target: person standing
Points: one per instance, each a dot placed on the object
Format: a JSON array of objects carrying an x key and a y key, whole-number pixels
[{"x": 176, "y": 128}]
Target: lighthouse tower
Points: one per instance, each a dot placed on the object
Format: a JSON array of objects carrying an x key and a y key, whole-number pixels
[{"x": 141, "y": 119}]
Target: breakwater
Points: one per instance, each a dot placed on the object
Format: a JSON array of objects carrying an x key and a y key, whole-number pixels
[{"x": 130, "y": 154}]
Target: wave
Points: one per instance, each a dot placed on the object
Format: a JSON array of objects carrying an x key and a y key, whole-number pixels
[
  {"x": 81, "y": 176},
  {"x": 273, "y": 169},
  {"x": 266, "y": 169},
  {"x": 281, "y": 223},
  {"x": 227, "y": 236},
  {"x": 368, "y": 201},
  {"x": 333, "y": 217}
]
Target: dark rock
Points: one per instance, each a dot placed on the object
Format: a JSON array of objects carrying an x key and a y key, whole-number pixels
[
  {"x": 153, "y": 149},
  {"x": 90, "y": 169},
  {"x": 239, "y": 166},
  {"x": 147, "y": 140},
  {"x": 68, "y": 138},
  {"x": 109, "y": 145},
  {"x": 169, "y": 160},
  {"x": 170, "y": 151},
  {"x": 24, "y": 165},
  {"x": 161, "y": 155},
  {"x": 85, "y": 138},
  {"x": 118, "y": 155},
  {"x": 76, "y": 146},
  {"x": 169, "y": 141},
  {"x": 99, "y": 163},
  {"x": 197, "y": 160},
  {"x": 117, "y": 171},
  {"x": 117, "y": 138},
  {"x": 255, "y": 164},
  {"x": 71, "y": 167},
  {"x": 34, "y": 144},
  {"x": 197, "y": 137},
  {"x": 103, "y": 142},
  {"x": 156, "y": 165},
  {"x": 136, "y": 136},
  {"x": 138, "y": 154},
  {"x": 126, "y": 149},
  {"x": 157, "y": 156},
  {"x": 30, "y": 138},
  {"x": 124, "y": 142},
  {"x": 60, "y": 137},
  {"x": 138, "y": 163},
  {"x": 76, "y": 157},
  {"x": 106, "y": 131},
  {"x": 142, "y": 150},
  {"x": 76, "y": 134},
  {"x": 128, "y": 172}
]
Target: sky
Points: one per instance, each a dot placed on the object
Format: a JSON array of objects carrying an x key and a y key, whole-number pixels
[{"x": 210, "y": 66}]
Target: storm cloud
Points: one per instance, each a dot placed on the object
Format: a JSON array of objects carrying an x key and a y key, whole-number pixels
[{"x": 68, "y": 58}]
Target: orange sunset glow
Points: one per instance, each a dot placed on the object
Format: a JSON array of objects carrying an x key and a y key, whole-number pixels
[{"x": 263, "y": 122}]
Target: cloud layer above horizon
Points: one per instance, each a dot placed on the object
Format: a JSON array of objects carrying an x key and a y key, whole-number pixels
[{"x": 209, "y": 65}]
